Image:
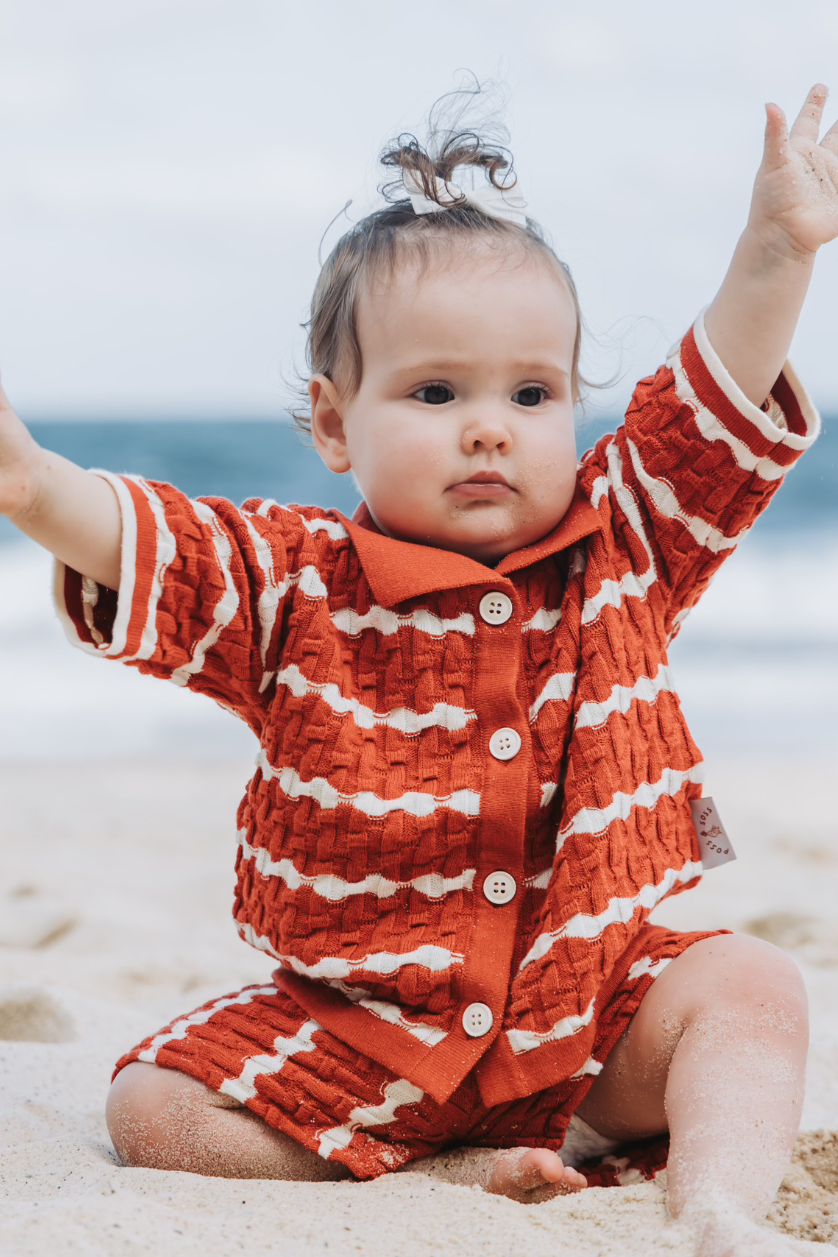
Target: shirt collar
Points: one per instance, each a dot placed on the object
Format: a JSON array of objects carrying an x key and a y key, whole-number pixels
[{"x": 398, "y": 570}]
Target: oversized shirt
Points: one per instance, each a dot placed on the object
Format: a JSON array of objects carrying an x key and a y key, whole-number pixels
[{"x": 473, "y": 783}]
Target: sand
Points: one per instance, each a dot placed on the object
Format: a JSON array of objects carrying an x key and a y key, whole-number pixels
[{"x": 115, "y": 885}]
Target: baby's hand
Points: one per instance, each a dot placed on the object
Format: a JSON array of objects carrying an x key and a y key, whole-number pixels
[{"x": 794, "y": 209}]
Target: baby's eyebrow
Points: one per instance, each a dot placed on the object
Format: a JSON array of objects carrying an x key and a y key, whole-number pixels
[{"x": 439, "y": 367}]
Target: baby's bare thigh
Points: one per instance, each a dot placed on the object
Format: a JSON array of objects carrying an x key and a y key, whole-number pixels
[
  {"x": 729, "y": 971},
  {"x": 163, "y": 1119}
]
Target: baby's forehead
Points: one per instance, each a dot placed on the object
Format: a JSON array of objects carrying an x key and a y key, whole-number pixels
[
  {"x": 414, "y": 264},
  {"x": 476, "y": 294}
]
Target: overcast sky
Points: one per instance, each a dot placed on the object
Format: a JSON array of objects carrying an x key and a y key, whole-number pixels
[{"x": 169, "y": 167}]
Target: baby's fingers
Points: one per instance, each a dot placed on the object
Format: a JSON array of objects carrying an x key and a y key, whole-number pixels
[
  {"x": 776, "y": 134},
  {"x": 808, "y": 122},
  {"x": 830, "y": 140}
]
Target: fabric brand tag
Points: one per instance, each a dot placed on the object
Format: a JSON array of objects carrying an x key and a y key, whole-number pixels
[{"x": 714, "y": 844}]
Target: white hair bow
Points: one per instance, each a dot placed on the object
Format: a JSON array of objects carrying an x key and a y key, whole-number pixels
[{"x": 496, "y": 202}]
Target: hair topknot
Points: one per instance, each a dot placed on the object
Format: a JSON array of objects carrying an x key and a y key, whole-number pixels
[
  {"x": 450, "y": 145},
  {"x": 464, "y": 137}
]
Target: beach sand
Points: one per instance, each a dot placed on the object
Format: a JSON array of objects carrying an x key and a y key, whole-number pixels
[{"x": 115, "y": 888}]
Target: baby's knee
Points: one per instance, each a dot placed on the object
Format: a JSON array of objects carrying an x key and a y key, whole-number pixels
[
  {"x": 753, "y": 979},
  {"x": 146, "y": 1107}
]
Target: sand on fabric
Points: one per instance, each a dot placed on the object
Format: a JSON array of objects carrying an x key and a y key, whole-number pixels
[{"x": 115, "y": 888}]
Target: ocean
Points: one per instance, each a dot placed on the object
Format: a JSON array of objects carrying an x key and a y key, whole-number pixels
[{"x": 756, "y": 662}]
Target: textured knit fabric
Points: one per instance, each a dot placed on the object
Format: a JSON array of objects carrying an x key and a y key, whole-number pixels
[
  {"x": 259, "y": 1047},
  {"x": 374, "y": 683}
]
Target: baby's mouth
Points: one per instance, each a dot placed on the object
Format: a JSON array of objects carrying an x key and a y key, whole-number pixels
[{"x": 483, "y": 484}]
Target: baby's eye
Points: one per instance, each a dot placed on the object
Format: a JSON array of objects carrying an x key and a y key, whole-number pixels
[
  {"x": 532, "y": 395},
  {"x": 434, "y": 394}
]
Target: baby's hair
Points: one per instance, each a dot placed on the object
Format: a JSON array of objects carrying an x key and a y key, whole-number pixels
[{"x": 382, "y": 239}]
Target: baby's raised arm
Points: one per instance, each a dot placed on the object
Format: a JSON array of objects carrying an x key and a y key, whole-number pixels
[
  {"x": 794, "y": 210},
  {"x": 71, "y": 512}
]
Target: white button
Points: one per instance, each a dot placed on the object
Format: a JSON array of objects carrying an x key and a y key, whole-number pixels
[
  {"x": 499, "y": 887},
  {"x": 496, "y": 608},
  {"x": 477, "y": 1020},
  {"x": 505, "y": 743}
]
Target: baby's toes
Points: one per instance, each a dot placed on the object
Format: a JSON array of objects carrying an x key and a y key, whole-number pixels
[{"x": 531, "y": 1175}]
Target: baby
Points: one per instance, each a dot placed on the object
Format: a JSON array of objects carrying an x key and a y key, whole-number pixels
[{"x": 474, "y": 778}]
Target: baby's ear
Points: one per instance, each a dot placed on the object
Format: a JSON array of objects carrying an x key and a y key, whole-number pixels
[{"x": 327, "y": 426}]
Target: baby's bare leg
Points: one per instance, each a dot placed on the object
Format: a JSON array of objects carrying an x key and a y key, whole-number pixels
[
  {"x": 165, "y": 1120},
  {"x": 717, "y": 1054}
]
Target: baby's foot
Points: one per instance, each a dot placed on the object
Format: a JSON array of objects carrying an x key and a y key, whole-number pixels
[
  {"x": 725, "y": 1234},
  {"x": 531, "y": 1175}
]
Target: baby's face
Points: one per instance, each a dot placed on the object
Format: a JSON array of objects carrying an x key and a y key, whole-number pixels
[{"x": 461, "y": 433}]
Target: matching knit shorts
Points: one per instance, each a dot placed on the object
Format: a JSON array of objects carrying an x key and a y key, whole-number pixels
[{"x": 259, "y": 1047}]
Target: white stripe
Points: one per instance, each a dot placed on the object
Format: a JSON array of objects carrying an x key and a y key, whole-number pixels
[
  {"x": 592, "y": 820},
  {"x": 128, "y": 567},
  {"x": 243, "y": 1088},
  {"x": 307, "y": 580},
  {"x": 259, "y": 941},
  {"x": 387, "y": 622},
  {"x": 539, "y": 881},
  {"x": 428, "y": 956},
  {"x": 631, "y": 584},
  {"x": 180, "y": 1028},
  {"x": 543, "y": 621},
  {"x": 646, "y": 966},
  {"x": 619, "y": 911},
  {"x": 227, "y": 605},
  {"x": 442, "y": 715},
  {"x": 599, "y": 490},
  {"x": 712, "y": 429},
  {"x": 395, "y": 1095},
  {"x": 415, "y": 804},
  {"x": 269, "y": 598},
  {"x": 645, "y": 689},
  {"x": 527, "y": 1040},
  {"x": 590, "y": 1067},
  {"x": 548, "y": 792},
  {"x": 558, "y": 689},
  {"x": 766, "y": 424},
  {"x": 663, "y": 496},
  {"x": 391, "y": 1013},
  {"x": 166, "y": 553},
  {"x": 331, "y": 527},
  {"x": 310, "y": 585},
  {"x": 330, "y": 886}
]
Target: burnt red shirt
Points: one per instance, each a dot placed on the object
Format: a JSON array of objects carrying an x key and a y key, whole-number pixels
[{"x": 473, "y": 783}]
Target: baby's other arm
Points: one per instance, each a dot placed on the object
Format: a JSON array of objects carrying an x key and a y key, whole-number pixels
[
  {"x": 794, "y": 210},
  {"x": 71, "y": 512}
]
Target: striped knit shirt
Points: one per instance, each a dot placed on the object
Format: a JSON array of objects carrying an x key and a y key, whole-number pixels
[{"x": 464, "y": 807}]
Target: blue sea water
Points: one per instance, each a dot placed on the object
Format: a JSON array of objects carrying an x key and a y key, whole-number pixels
[
  {"x": 238, "y": 459},
  {"x": 756, "y": 663}
]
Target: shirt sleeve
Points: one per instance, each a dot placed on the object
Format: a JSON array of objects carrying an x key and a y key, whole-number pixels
[
  {"x": 692, "y": 467},
  {"x": 202, "y": 590}
]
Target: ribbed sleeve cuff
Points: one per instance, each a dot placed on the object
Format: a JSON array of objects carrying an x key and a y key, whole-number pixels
[
  {"x": 120, "y": 624},
  {"x": 763, "y": 440}
]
